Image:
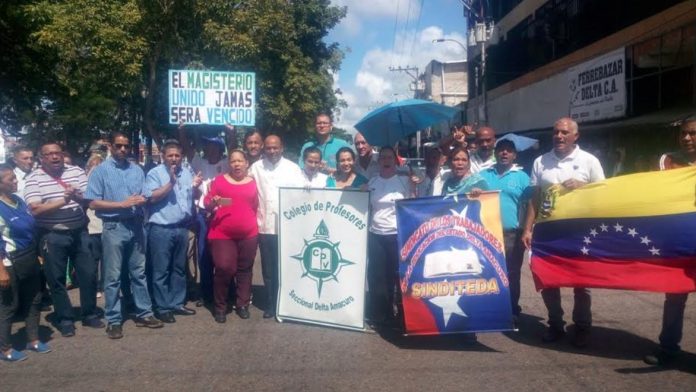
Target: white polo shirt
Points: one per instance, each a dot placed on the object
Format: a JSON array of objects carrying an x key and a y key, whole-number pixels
[
  {"x": 269, "y": 177},
  {"x": 478, "y": 164},
  {"x": 580, "y": 165}
]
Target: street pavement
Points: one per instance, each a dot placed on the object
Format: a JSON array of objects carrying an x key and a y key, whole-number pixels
[{"x": 198, "y": 354}]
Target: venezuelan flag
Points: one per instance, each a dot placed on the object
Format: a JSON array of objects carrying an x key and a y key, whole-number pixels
[{"x": 635, "y": 232}]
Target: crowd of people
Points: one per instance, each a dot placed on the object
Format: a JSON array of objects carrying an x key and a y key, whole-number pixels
[{"x": 137, "y": 237}]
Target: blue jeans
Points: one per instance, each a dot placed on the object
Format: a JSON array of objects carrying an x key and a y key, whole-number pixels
[
  {"x": 673, "y": 321},
  {"x": 123, "y": 243},
  {"x": 167, "y": 249}
]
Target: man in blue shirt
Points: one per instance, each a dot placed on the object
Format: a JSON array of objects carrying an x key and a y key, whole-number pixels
[
  {"x": 327, "y": 144},
  {"x": 115, "y": 193},
  {"x": 513, "y": 184},
  {"x": 170, "y": 188}
]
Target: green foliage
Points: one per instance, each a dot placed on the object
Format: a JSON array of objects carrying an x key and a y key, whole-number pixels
[{"x": 81, "y": 66}]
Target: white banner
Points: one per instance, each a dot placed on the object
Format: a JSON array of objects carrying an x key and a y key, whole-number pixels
[
  {"x": 212, "y": 97},
  {"x": 597, "y": 88},
  {"x": 323, "y": 256}
]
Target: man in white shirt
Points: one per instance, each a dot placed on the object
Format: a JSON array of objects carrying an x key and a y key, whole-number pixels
[
  {"x": 484, "y": 157},
  {"x": 435, "y": 175},
  {"x": 24, "y": 162},
  {"x": 572, "y": 168},
  {"x": 270, "y": 173},
  {"x": 367, "y": 164}
]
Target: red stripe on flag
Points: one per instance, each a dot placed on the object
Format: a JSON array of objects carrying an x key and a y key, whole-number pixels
[
  {"x": 669, "y": 276},
  {"x": 418, "y": 318}
]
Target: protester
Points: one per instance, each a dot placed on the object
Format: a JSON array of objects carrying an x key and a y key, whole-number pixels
[
  {"x": 170, "y": 190},
  {"x": 569, "y": 166},
  {"x": 675, "y": 303},
  {"x": 513, "y": 184},
  {"x": 94, "y": 228},
  {"x": 253, "y": 145},
  {"x": 382, "y": 274},
  {"x": 20, "y": 280},
  {"x": 367, "y": 164},
  {"x": 115, "y": 192},
  {"x": 23, "y": 159},
  {"x": 233, "y": 200},
  {"x": 271, "y": 172},
  {"x": 212, "y": 164},
  {"x": 456, "y": 138},
  {"x": 312, "y": 164},
  {"x": 345, "y": 175},
  {"x": 54, "y": 193},
  {"x": 483, "y": 157},
  {"x": 461, "y": 180},
  {"x": 325, "y": 142},
  {"x": 435, "y": 175}
]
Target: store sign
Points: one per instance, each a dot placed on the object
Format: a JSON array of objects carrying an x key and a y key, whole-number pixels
[{"x": 597, "y": 88}]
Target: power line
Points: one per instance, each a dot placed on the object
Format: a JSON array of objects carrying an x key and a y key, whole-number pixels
[{"x": 396, "y": 22}]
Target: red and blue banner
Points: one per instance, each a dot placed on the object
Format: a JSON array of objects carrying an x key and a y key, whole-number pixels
[
  {"x": 635, "y": 232},
  {"x": 452, "y": 265}
]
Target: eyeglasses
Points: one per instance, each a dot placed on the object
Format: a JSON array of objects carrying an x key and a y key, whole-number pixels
[{"x": 119, "y": 146}]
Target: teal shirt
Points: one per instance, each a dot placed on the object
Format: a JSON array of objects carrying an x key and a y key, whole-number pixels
[
  {"x": 514, "y": 192},
  {"x": 358, "y": 181},
  {"x": 328, "y": 150},
  {"x": 456, "y": 186}
]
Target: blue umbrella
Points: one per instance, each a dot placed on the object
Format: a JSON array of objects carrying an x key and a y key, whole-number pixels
[
  {"x": 390, "y": 123},
  {"x": 521, "y": 142}
]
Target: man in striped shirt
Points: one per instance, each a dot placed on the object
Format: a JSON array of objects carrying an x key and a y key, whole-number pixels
[{"x": 54, "y": 195}]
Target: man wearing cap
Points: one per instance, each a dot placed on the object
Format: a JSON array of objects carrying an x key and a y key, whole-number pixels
[
  {"x": 513, "y": 183},
  {"x": 212, "y": 164},
  {"x": 483, "y": 157},
  {"x": 368, "y": 161},
  {"x": 325, "y": 142},
  {"x": 571, "y": 167}
]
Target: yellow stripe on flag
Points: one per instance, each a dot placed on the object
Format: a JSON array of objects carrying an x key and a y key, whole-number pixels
[{"x": 643, "y": 194}]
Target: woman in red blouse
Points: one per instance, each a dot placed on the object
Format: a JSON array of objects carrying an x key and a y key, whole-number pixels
[{"x": 232, "y": 234}]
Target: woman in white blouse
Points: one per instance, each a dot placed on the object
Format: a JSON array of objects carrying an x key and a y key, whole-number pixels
[{"x": 385, "y": 190}]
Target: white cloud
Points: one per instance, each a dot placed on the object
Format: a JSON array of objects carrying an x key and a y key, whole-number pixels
[
  {"x": 365, "y": 10},
  {"x": 376, "y": 85}
]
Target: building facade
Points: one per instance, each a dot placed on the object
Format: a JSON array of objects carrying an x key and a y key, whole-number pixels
[{"x": 625, "y": 70}]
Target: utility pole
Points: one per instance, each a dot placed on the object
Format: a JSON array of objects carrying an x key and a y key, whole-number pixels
[{"x": 413, "y": 73}]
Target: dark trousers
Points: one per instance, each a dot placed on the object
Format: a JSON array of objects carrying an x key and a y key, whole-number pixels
[
  {"x": 233, "y": 260},
  {"x": 268, "y": 247},
  {"x": 382, "y": 275},
  {"x": 514, "y": 254},
  {"x": 673, "y": 321},
  {"x": 57, "y": 247},
  {"x": 167, "y": 248},
  {"x": 22, "y": 297},
  {"x": 582, "y": 308},
  {"x": 205, "y": 260}
]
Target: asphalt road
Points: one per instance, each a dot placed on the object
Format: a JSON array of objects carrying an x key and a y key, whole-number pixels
[{"x": 195, "y": 353}]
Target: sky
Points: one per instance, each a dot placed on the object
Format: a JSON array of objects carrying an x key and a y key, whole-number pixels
[{"x": 378, "y": 34}]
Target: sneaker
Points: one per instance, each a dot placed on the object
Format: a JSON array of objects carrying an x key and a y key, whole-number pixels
[
  {"x": 581, "y": 338},
  {"x": 243, "y": 312},
  {"x": 40, "y": 347},
  {"x": 114, "y": 331},
  {"x": 661, "y": 357},
  {"x": 149, "y": 322},
  {"x": 93, "y": 322},
  {"x": 13, "y": 356},
  {"x": 67, "y": 330},
  {"x": 553, "y": 334},
  {"x": 220, "y": 317}
]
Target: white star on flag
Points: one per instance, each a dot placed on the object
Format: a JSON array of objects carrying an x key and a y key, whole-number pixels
[
  {"x": 654, "y": 251},
  {"x": 593, "y": 232},
  {"x": 587, "y": 240},
  {"x": 449, "y": 306},
  {"x": 618, "y": 227},
  {"x": 461, "y": 214},
  {"x": 632, "y": 232},
  {"x": 604, "y": 227},
  {"x": 585, "y": 251},
  {"x": 645, "y": 240}
]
